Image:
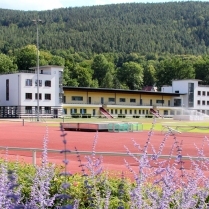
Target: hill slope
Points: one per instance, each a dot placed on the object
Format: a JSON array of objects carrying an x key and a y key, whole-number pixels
[{"x": 174, "y": 27}]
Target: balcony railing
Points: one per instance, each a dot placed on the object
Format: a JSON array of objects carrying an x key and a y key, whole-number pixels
[{"x": 121, "y": 104}]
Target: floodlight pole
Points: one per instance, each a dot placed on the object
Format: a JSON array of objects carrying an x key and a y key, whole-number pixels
[{"x": 37, "y": 21}]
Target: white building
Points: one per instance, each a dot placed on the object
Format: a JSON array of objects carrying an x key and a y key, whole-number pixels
[
  {"x": 194, "y": 97},
  {"x": 18, "y": 92}
]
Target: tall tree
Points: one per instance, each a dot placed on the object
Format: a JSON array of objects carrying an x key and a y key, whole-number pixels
[
  {"x": 27, "y": 57},
  {"x": 174, "y": 68},
  {"x": 131, "y": 74},
  {"x": 6, "y": 64}
]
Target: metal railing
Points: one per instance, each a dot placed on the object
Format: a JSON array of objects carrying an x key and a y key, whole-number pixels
[{"x": 118, "y": 154}]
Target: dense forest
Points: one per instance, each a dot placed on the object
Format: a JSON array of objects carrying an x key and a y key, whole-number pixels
[{"x": 125, "y": 46}]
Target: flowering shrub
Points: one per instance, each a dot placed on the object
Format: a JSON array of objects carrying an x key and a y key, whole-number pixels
[{"x": 158, "y": 183}]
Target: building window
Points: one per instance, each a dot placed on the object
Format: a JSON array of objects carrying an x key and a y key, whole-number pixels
[
  {"x": 199, "y": 93},
  {"x": 203, "y": 102},
  {"x": 132, "y": 100},
  {"x": 64, "y": 99},
  {"x": 116, "y": 111},
  {"x": 73, "y": 111},
  {"x": 207, "y": 102},
  {"x": 28, "y": 95},
  {"x": 28, "y": 109},
  {"x": 121, "y": 112},
  {"x": 48, "y": 83},
  {"x": 177, "y": 92},
  {"x": 159, "y": 101},
  {"x": 47, "y": 96},
  {"x": 28, "y": 82},
  {"x": 47, "y": 110},
  {"x": 203, "y": 93},
  {"x": 125, "y": 111},
  {"x": 130, "y": 111},
  {"x": 111, "y": 99},
  {"x": 40, "y": 82},
  {"x": 135, "y": 112},
  {"x": 198, "y": 102},
  {"x": 165, "y": 112},
  {"x": 207, "y": 93},
  {"x": 77, "y": 98},
  {"x": 122, "y": 100},
  {"x": 65, "y": 111},
  {"x": 139, "y": 112},
  {"x": 83, "y": 111},
  {"x": 40, "y": 96},
  {"x": 7, "y": 89}
]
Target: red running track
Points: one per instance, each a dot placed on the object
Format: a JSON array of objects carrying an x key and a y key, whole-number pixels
[{"x": 14, "y": 134}]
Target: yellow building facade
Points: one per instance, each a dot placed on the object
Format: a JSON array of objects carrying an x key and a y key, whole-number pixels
[{"x": 84, "y": 100}]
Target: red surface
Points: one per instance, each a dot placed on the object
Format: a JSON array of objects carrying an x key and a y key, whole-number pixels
[{"x": 14, "y": 134}]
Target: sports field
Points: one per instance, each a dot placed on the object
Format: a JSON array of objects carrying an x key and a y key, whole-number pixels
[{"x": 15, "y": 133}]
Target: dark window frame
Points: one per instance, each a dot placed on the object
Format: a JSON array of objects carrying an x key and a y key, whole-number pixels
[{"x": 29, "y": 96}]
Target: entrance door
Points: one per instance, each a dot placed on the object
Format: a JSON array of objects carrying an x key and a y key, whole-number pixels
[
  {"x": 55, "y": 113},
  {"x": 94, "y": 112},
  {"x": 89, "y": 100},
  {"x": 102, "y": 100}
]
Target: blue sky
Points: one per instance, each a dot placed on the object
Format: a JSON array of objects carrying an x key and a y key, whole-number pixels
[{"x": 52, "y": 4}]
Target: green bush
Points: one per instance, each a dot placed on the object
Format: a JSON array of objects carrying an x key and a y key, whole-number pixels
[
  {"x": 121, "y": 116},
  {"x": 76, "y": 115},
  {"x": 86, "y": 115},
  {"x": 136, "y": 116}
]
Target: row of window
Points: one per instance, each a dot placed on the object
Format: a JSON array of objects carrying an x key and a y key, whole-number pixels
[
  {"x": 29, "y": 110},
  {"x": 203, "y": 102},
  {"x": 30, "y": 96},
  {"x": 29, "y": 82},
  {"x": 112, "y": 99},
  {"x": 202, "y": 93}
]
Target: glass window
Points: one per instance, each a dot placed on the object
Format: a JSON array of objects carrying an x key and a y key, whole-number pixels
[
  {"x": 122, "y": 100},
  {"x": 28, "y": 82},
  {"x": 203, "y": 93},
  {"x": 203, "y": 102},
  {"x": 40, "y": 82},
  {"x": 199, "y": 93},
  {"x": 7, "y": 89},
  {"x": 111, "y": 99},
  {"x": 28, "y": 109},
  {"x": 40, "y": 96},
  {"x": 133, "y": 100},
  {"x": 48, "y": 83},
  {"x": 47, "y": 96},
  {"x": 77, "y": 98},
  {"x": 159, "y": 101},
  {"x": 28, "y": 95},
  {"x": 198, "y": 102},
  {"x": 47, "y": 110}
]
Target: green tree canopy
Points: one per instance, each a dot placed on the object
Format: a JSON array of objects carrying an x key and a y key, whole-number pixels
[
  {"x": 6, "y": 64},
  {"x": 131, "y": 74},
  {"x": 174, "y": 68}
]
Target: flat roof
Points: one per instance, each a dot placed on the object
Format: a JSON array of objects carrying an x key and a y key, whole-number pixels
[
  {"x": 109, "y": 90},
  {"x": 47, "y": 66}
]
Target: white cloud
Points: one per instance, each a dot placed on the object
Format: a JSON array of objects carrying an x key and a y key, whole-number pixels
[{"x": 30, "y": 4}]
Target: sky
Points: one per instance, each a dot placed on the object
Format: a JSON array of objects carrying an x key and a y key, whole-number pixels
[{"x": 39, "y": 5}]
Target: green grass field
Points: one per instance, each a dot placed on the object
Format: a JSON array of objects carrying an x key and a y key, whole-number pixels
[{"x": 183, "y": 126}]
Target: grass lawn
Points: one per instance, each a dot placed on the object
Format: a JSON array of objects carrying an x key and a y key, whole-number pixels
[{"x": 183, "y": 126}]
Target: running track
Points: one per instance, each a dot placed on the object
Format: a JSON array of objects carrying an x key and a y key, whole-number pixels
[{"x": 14, "y": 134}]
